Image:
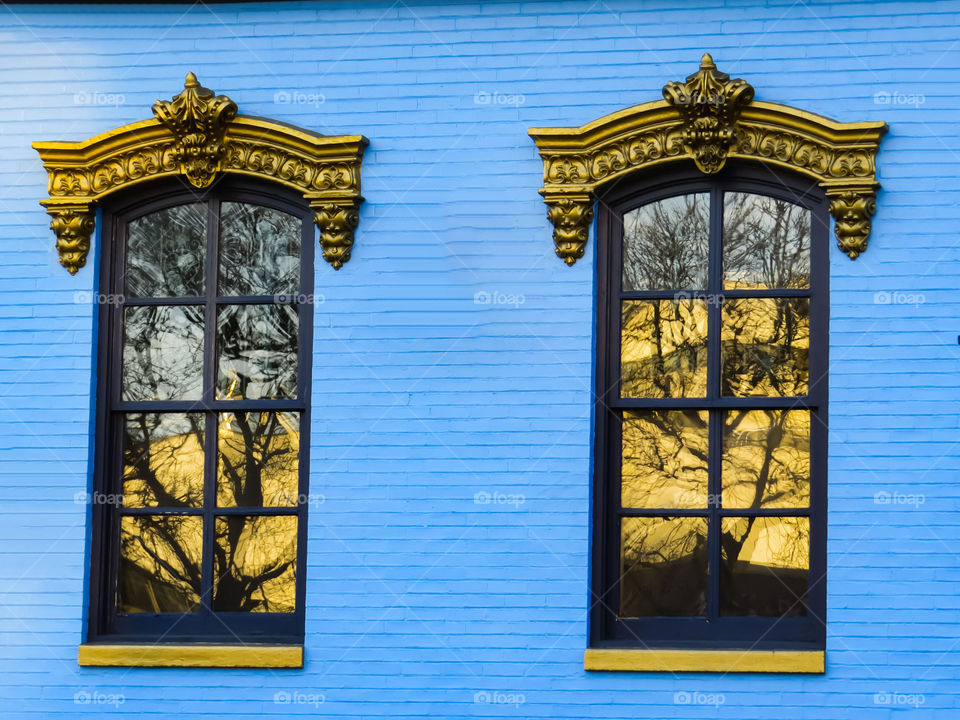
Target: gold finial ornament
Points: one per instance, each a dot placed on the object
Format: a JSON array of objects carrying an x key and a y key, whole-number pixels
[
  {"x": 199, "y": 136},
  {"x": 709, "y": 103},
  {"x": 198, "y": 120},
  {"x": 708, "y": 118}
]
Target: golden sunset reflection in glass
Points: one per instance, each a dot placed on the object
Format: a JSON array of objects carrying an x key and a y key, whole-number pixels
[
  {"x": 664, "y": 459},
  {"x": 765, "y": 345},
  {"x": 663, "y": 566},
  {"x": 765, "y": 563},
  {"x": 160, "y": 563},
  {"x": 254, "y": 566},
  {"x": 663, "y": 349},
  {"x": 766, "y": 459},
  {"x": 257, "y": 464}
]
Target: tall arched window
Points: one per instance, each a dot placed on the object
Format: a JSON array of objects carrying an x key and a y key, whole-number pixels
[
  {"x": 205, "y": 379},
  {"x": 203, "y": 371},
  {"x": 713, "y": 212},
  {"x": 711, "y": 410}
]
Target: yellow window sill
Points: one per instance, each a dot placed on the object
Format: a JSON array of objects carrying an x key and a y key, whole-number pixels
[
  {"x": 220, "y": 656},
  {"x": 726, "y": 661}
]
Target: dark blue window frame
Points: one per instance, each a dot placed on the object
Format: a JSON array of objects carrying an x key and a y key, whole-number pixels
[
  {"x": 607, "y": 628},
  {"x": 105, "y": 623}
]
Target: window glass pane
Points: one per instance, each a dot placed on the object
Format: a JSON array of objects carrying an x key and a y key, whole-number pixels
[
  {"x": 666, "y": 244},
  {"x": 663, "y": 567},
  {"x": 160, "y": 564},
  {"x": 259, "y": 250},
  {"x": 258, "y": 352},
  {"x": 663, "y": 350},
  {"x": 766, "y": 459},
  {"x": 165, "y": 253},
  {"x": 664, "y": 459},
  {"x": 765, "y": 346},
  {"x": 257, "y": 464},
  {"x": 766, "y": 243},
  {"x": 163, "y": 353},
  {"x": 765, "y": 565},
  {"x": 255, "y": 562},
  {"x": 163, "y": 460}
]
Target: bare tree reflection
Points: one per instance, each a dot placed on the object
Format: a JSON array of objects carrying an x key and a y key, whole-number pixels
[
  {"x": 765, "y": 566},
  {"x": 258, "y": 351},
  {"x": 663, "y": 567},
  {"x": 664, "y": 348},
  {"x": 665, "y": 459},
  {"x": 255, "y": 564},
  {"x": 163, "y": 460},
  {"x": 666, "y": 244},
  {"x": 258, "y": 463},
  {"x": 160, "y": 563},
  {"x": 259, "y": 250},
  {"x": 165, "y": 253},
  {"x": 766, "y": 242},
  {"x": 163, "y": 352},
  {"x": 765, "y": 347},
  {"x": 254, "y": 557}
]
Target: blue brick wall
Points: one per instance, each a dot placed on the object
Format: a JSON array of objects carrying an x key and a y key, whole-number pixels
[{"x": 418, "y": 597}]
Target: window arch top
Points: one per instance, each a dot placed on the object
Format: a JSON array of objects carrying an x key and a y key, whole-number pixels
[
  {"x": 199, "y": 136},
  {"x": 709, "y": 118}
]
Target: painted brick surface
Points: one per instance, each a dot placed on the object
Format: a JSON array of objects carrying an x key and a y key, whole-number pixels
[{"x": 421, "y": 599}]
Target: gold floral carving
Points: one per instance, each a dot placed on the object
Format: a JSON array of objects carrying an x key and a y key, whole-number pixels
[
  {"x": 337, "y": 222},
  {"x": 709, "y": 103},
  {"x": 198, "y": 136},
  {"x": 571, "y": 217},
  {"x": 198, "y": 121},
  {"x": 73, "y": 226},
  {"x": 709, "y": 119}
]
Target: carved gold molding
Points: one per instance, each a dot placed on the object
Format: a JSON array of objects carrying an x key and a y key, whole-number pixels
[
  {"x": 709, "y": 119},
  {"x": 198, "y": 136}
]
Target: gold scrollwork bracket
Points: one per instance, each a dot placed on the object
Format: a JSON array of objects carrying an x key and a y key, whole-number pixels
[
  {"x": 199, "y": 136},
  {"x": 709, "y": 119}
]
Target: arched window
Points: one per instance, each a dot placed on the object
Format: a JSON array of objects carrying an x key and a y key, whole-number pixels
[
  {"x": 203, "y": 372},
  {"x": 712, "y": 218},
  {"x": 205, "y": 363},
  {"x": 711, "y": 410}
]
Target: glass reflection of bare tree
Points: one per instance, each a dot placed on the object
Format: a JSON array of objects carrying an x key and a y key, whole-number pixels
[
  {"x": 663, "y": 566},
  {"x": 165, "y": 252},
  {"x": 163, "y": 455},
  {"x": 665, "y": 244},
  {"x": 765, "y": 463},
  {"x": 766, "y": 243}
]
